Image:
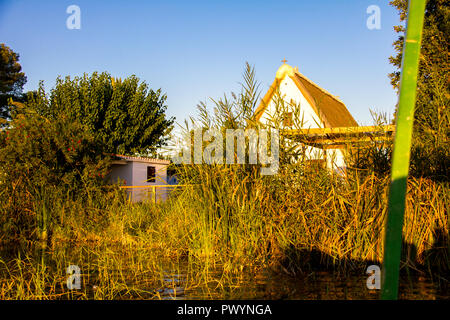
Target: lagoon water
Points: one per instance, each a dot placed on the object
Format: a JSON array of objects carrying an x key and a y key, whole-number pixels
[{"x": 34, "y": 272}]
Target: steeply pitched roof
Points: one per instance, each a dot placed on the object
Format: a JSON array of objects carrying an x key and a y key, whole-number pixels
[{"x": 329, "y": 108}]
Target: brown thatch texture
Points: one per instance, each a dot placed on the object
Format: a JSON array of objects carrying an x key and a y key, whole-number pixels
[{"x": 332, "y": 111}]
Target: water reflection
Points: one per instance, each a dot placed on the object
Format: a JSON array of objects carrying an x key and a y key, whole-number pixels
[{"x": 140, "y": 273}]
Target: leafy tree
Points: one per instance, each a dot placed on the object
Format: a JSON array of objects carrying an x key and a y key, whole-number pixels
[
  {"x": 126, "y": 116},
  {"x": 11, "y": 80},
  {"x": 430, "y": 151}
]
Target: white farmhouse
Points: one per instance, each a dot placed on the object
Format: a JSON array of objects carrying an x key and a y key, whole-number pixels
[{"x": 314, "y": 106}]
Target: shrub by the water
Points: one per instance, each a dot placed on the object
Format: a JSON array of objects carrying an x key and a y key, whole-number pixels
[{"x": 45, "y": 162}]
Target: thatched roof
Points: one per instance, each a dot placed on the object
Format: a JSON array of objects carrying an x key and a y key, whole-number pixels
[{"x": 332, "y": 111}]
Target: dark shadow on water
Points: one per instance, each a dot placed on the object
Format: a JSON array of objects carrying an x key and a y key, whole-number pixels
[
  {"x": 424, "y": 277},
  {"x": 302, "y": 274}
]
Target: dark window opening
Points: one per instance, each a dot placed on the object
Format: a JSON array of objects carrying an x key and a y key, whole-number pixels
[{"x": 151, "y": 174}]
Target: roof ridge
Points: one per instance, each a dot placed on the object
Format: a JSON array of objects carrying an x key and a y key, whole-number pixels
[
  {"x": 141, "y": 158},
  {"x": 317, "y": 86}
]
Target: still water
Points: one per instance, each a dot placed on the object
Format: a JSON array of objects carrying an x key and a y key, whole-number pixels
[{"x": 34, "y": 272}]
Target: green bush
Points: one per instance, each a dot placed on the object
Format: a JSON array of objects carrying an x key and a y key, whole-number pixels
[{"x": 43, "y": 162}]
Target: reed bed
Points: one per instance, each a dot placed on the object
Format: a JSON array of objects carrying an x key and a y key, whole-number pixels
[{"x": 267, "y": 225}]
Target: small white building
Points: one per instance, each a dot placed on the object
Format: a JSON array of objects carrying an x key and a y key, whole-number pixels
[
  {"x": 143, "y": 178},
  {"x": 316, "y": 107}
]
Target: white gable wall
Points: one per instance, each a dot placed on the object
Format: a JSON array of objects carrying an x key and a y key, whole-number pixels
[{"x": 290, "y": 92}]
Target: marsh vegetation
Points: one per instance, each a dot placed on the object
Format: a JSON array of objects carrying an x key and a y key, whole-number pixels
[{"x": 305, "y": 232}]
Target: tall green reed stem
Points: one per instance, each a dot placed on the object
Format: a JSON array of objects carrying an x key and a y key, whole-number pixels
[{"x": 402, "y": 150}]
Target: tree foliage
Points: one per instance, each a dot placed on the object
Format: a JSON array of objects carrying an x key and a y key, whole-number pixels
[
  {"x": 11, "y": 80},
  {"x": 126, "y": 116},
  {"x": 45, "y": 159},
  {"x": 430, "y": 152}
]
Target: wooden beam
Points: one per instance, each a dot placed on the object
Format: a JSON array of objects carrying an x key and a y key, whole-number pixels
[
  {"x": 343, "y": 140},
  {"x": 340, "y": 130}
]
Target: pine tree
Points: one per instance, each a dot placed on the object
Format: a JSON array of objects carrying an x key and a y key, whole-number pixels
[{"x": 11, "y": 80}]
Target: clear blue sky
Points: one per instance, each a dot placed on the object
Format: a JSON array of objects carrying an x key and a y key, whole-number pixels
[{"x": 193, "y": 50}]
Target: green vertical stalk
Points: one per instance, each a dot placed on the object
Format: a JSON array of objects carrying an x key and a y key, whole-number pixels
[{"x": 402, "y": 150}]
